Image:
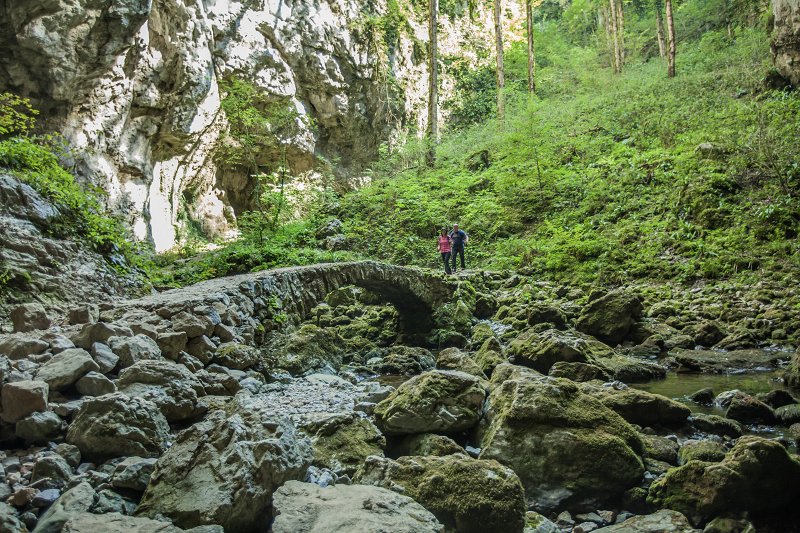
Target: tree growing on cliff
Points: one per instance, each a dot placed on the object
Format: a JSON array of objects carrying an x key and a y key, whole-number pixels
[
  {"x": 500, "y": 68},
  {"x": 433, "y": 82}
]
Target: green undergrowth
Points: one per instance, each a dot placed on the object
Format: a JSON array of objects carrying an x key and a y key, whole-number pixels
[{"x": 606, "y": 178}]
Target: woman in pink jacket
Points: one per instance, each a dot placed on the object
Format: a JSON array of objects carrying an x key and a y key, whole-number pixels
[{"x": 444, "y": 249}]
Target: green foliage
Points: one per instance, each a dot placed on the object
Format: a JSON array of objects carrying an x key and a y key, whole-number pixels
[{"x": 17, "y": 116}]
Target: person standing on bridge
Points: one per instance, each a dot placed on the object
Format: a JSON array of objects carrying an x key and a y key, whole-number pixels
[
  {"x": 444, "y": 249},
  {"x": 458, "y": 239}
]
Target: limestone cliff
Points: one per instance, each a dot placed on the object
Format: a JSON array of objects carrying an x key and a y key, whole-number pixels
[
  {"x": 786, "y": 41},
  {"x": 134, "y": 87}
]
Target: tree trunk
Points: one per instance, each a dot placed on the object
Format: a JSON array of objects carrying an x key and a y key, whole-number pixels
[
  {"x": 501, "y": 76},
  {"x": 531, "y": 47},
  {"x": 621, "y": 33},
  {"x": 612, "y": 18},
  {"x": 433, "y": 83},
  {"x": 670, "y": 39},
  {"x": 662, "y": 48}
]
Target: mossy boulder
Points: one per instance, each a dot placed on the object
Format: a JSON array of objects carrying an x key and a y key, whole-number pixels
[
  {"x": 661, "y": 449},
  {"x": 567, "y": 447},
  {"x": 490, "y": 355},
  {"x": 310, "y": 348},
  {"x": 480, "y": 332},
  {"x": 546, "y": 313},
  {"x": 788, "y": 414},
  {"x": 748, "y": 410},
  {"x": 455, "y": 359},
  {"x": 428, "y": 444},
  {"x": 579, "y": 371},
  {"x": 400, "y": 361},
  {"x": 757, "y": 475},
  {"x": 640, "y": 407},
  {"x": 342, "y": 441},
  {"x": 609, "y": 317},
  {"x": 437, "y": 401},
  {"x": 717, "y": 425},
  {"x": 702, "y": 450},
  {"x": 236, "y": 356},
  {"x": 466, "y": 495},
  {"x": 791, "y": 375}
]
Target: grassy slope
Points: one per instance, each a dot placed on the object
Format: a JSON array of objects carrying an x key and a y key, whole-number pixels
[{"x": 621, "y": 189}]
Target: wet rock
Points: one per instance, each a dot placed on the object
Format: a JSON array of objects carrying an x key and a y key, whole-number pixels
[
  {"x": 29, "y": 317},
  {"x": 134, "y": 349},
  {"x": 757, "y": 475},
  {"x": 566, "y": 446},
  {"x": 116, "y": 425},
  {"x": 235, "y": 355},
  {"x": 438, "y": 400},
  {"x": 661, "y": 448},
  {"x": 133, "y": 473},
  {"x": 703, "y": 396},
  {"x": 401, "y": 361},
  {"x": 702, "y": 450},
  {"x": 720, "y": 362},
  {"x": 610, "y": 317},
  {"x": 578, "y": 371},
  {"x": 747, "y": 410},
  {"x": 343, "y": 441},
  {"x": 717, "y": 425},
  {"x": 95, "y": 384},
  {"x": 788, "y": 414},
  {"x": 21, "y": 398},
  {"x": 640, "y": 407},
  {"x": 466, "y": 495},
  {"x": 105, "y": 358},
  {"x": 39, "y": 427},
  {"x": 76, "y": 500},
  {"x": 662, "y": 521},
  {"x": 224, "y": 469},
  {"x": 536, "y": 523},
  {"x": 65, "y": 368},
  {"x": 348, "y": 509},
  {"x": 171, "y": 386}
]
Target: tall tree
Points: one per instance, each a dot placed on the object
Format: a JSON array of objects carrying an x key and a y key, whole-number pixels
[
  {"x": 670, "y": 39},
  {"x": 531, "y": 47},
  {"x": 433, "y": 82},
  {"x": 501, "y": 75},
  {"x": 621, "y": 32},
  {"x": 662, "y": 48},
  {"x": 612, "y": 19}
]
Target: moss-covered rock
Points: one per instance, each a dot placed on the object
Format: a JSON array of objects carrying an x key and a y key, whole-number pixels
[
  {"x": 490, "y": 355},
  {"x": 788, "y": 414},
  {"x": 310, "y": 348},
  {"x": 717, "y": 425},
  {"x": 341, "y": 442},
  {"x": 235, "y": 355},
  {"x": 757, "y": 475},
  {"x": 466, "y": 495},
  {"x": 400, "y": 361},
  {"x": 437, "y": 401},
  {"x": 610, "y": 317},
  {"x": 747, "y": 410},
  {"x": 791, "y": 375},
  {"x": 429, "y": 444},
  {"x": 480, "y": 332},
  {"x": 579, "y": 371},
  {"x": 455, "y": 359},
  {"x": 640, "y": 407},
  {"x": 702, "y": 450},
  {"x": 567, "y": 447},
  {"x": 661, "y": 449},
  {"x": 546, "y": 313}
]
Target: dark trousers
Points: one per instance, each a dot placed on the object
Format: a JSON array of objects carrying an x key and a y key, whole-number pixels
[
  {"x": 446, "y": 259},
  {"x": 458, "y": 250}
]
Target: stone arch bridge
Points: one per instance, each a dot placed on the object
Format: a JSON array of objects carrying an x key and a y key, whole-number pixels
[{"x": 247, "y": 300}]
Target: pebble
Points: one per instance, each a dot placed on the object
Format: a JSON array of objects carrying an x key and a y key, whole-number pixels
[
  {"x": 564, "y": 519},
  {"x": 472, "y": 451},
  {"x": 45, "y": 498}
]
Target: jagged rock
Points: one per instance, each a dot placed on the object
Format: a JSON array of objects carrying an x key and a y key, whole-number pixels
[
  {"x": 455, "y": 359},
  {"x": 224, "y": 469},
  {"x": 172, "y": 343},
  {"x": 202, "y": 348},
  {"x": 29, "y": 317},
  {"x": 21, "y": 398},
  {"x": 663, "y": 521},
  {"x": 439, "y": 400},
  {"x": 95, "y": 384},
  {"x": 348, "y": 509},
  {"x": 757, "y": 475},
  {"x": 702, "y": 450},
  {"x": 465, "y": 494},
  {"x": 76, "y": 500},
  {"x": 65, "y": 368},
  {"x": 235, "y": 355},
  {"x": 54, "y": 467},
  {"x": 39, "y": 427},
  {"x": 192, "y": 325},
  {"x": 116, "y": 425},
  {"x": 105, "y": 358},
  {"x": 109, "y": 501},
  {"x": 610, "y": 317},
  {"x": 94, "y": 523},
  {"x": 133, "y": 473},
  {"x": 83, "y": 314},
  {"x": 640, "y": 407},
  {"x": 99, "y": 332},
  {"x": 218, "y": 383},
  {"x": 578, "y": 371},
  {"x": 21, "y": 346},
  {"x": 134, "y": 349},
  {"x": 401, "y": 361},
  {"x": 171, "y": 386},
  {"x": 9, "y": 523},
  {"x": 342, "y": 441},
  {"x": 785, "y": 48},
  {"x": 566, "y": 446}
]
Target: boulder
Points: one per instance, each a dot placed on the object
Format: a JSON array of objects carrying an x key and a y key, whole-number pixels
[
  {"x": 29, "y": 317},
  {"x": 791, "y": 376},
  {"x": 192, "y": 325},
  {"x": 202, "y": 348},
  {"x": 545, "y": 313},
  {"x": 116, "y": 425},
  {"x": 455, "y": 359},
  {"x": 133, "y": 473},
  {"x": 610, "y": 317},
  {"x": 76, "y": 500},
  {"x": 83, "y": 314},
  {"x": 466, "y": 495},
  {"x": 22, "y": 346},
  {"x": 342, "y": 441},
  {"x": 661, "y": 449},
  {"x": 224, "y": 469},
  {"x": 95, "y": 523},
  {"x": 21, "y": 398},
  {"x": 579, "y": 371},
  {"x": 95, "y": 384},
  {"x": 65, "y": 368},
  {"x": 640, "y": 407},
  {"x": 172, "y": 343},
  {"x": 401, "y": 361},
  {"x": 568, "y": 448},
  {"x": 133, "y": 349},
  {"x": 9, "y": 522},
  {"x": 788, "y": 414},
  {"x": 310, "y": 508},
  {"x": 747, "y": 410},
  {"x": 52, "y": 467},
  {"x": 171, "y": 386},
  {"x": 721, "y": 362},
  {"x": 428, "y": 444},
  {"x": 757, "y": 475},
  {"x": 490, "y": 355},
  {"x": 105, "y": 358},
  {"x": 39, "y": 427},
  {"x": 310, "y": 348},
  {"x": 437, "y": 401},
  {"x": 663, "y": 521},
  {"x": 99, "y": 332},
  {"x": 235, "y": 355},
  {"x": 702, "y": 450},
  {"x": 717, "y": 425}
]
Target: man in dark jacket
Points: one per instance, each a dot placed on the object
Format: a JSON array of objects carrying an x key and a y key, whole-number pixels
[{"x": 458, "y": 238}]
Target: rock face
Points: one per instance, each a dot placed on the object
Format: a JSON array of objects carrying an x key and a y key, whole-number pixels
[
  {"x": 135, "y": 86},
  {"x": 786, "y": 39},
  {"x": 757, "y": 475},
  {"x": 437, "y": 401},
  {"x": 224, "y": 469},
  {"x": 309, "y": 508},
  {"x": 466, "y": 495},
  {"x": 566, "y": 446}
]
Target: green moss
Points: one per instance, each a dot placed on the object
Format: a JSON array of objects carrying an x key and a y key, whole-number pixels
[{"x": 343, "y": 442}]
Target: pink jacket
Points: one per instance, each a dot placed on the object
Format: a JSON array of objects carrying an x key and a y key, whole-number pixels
[{"x": 444, "y": 244}]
